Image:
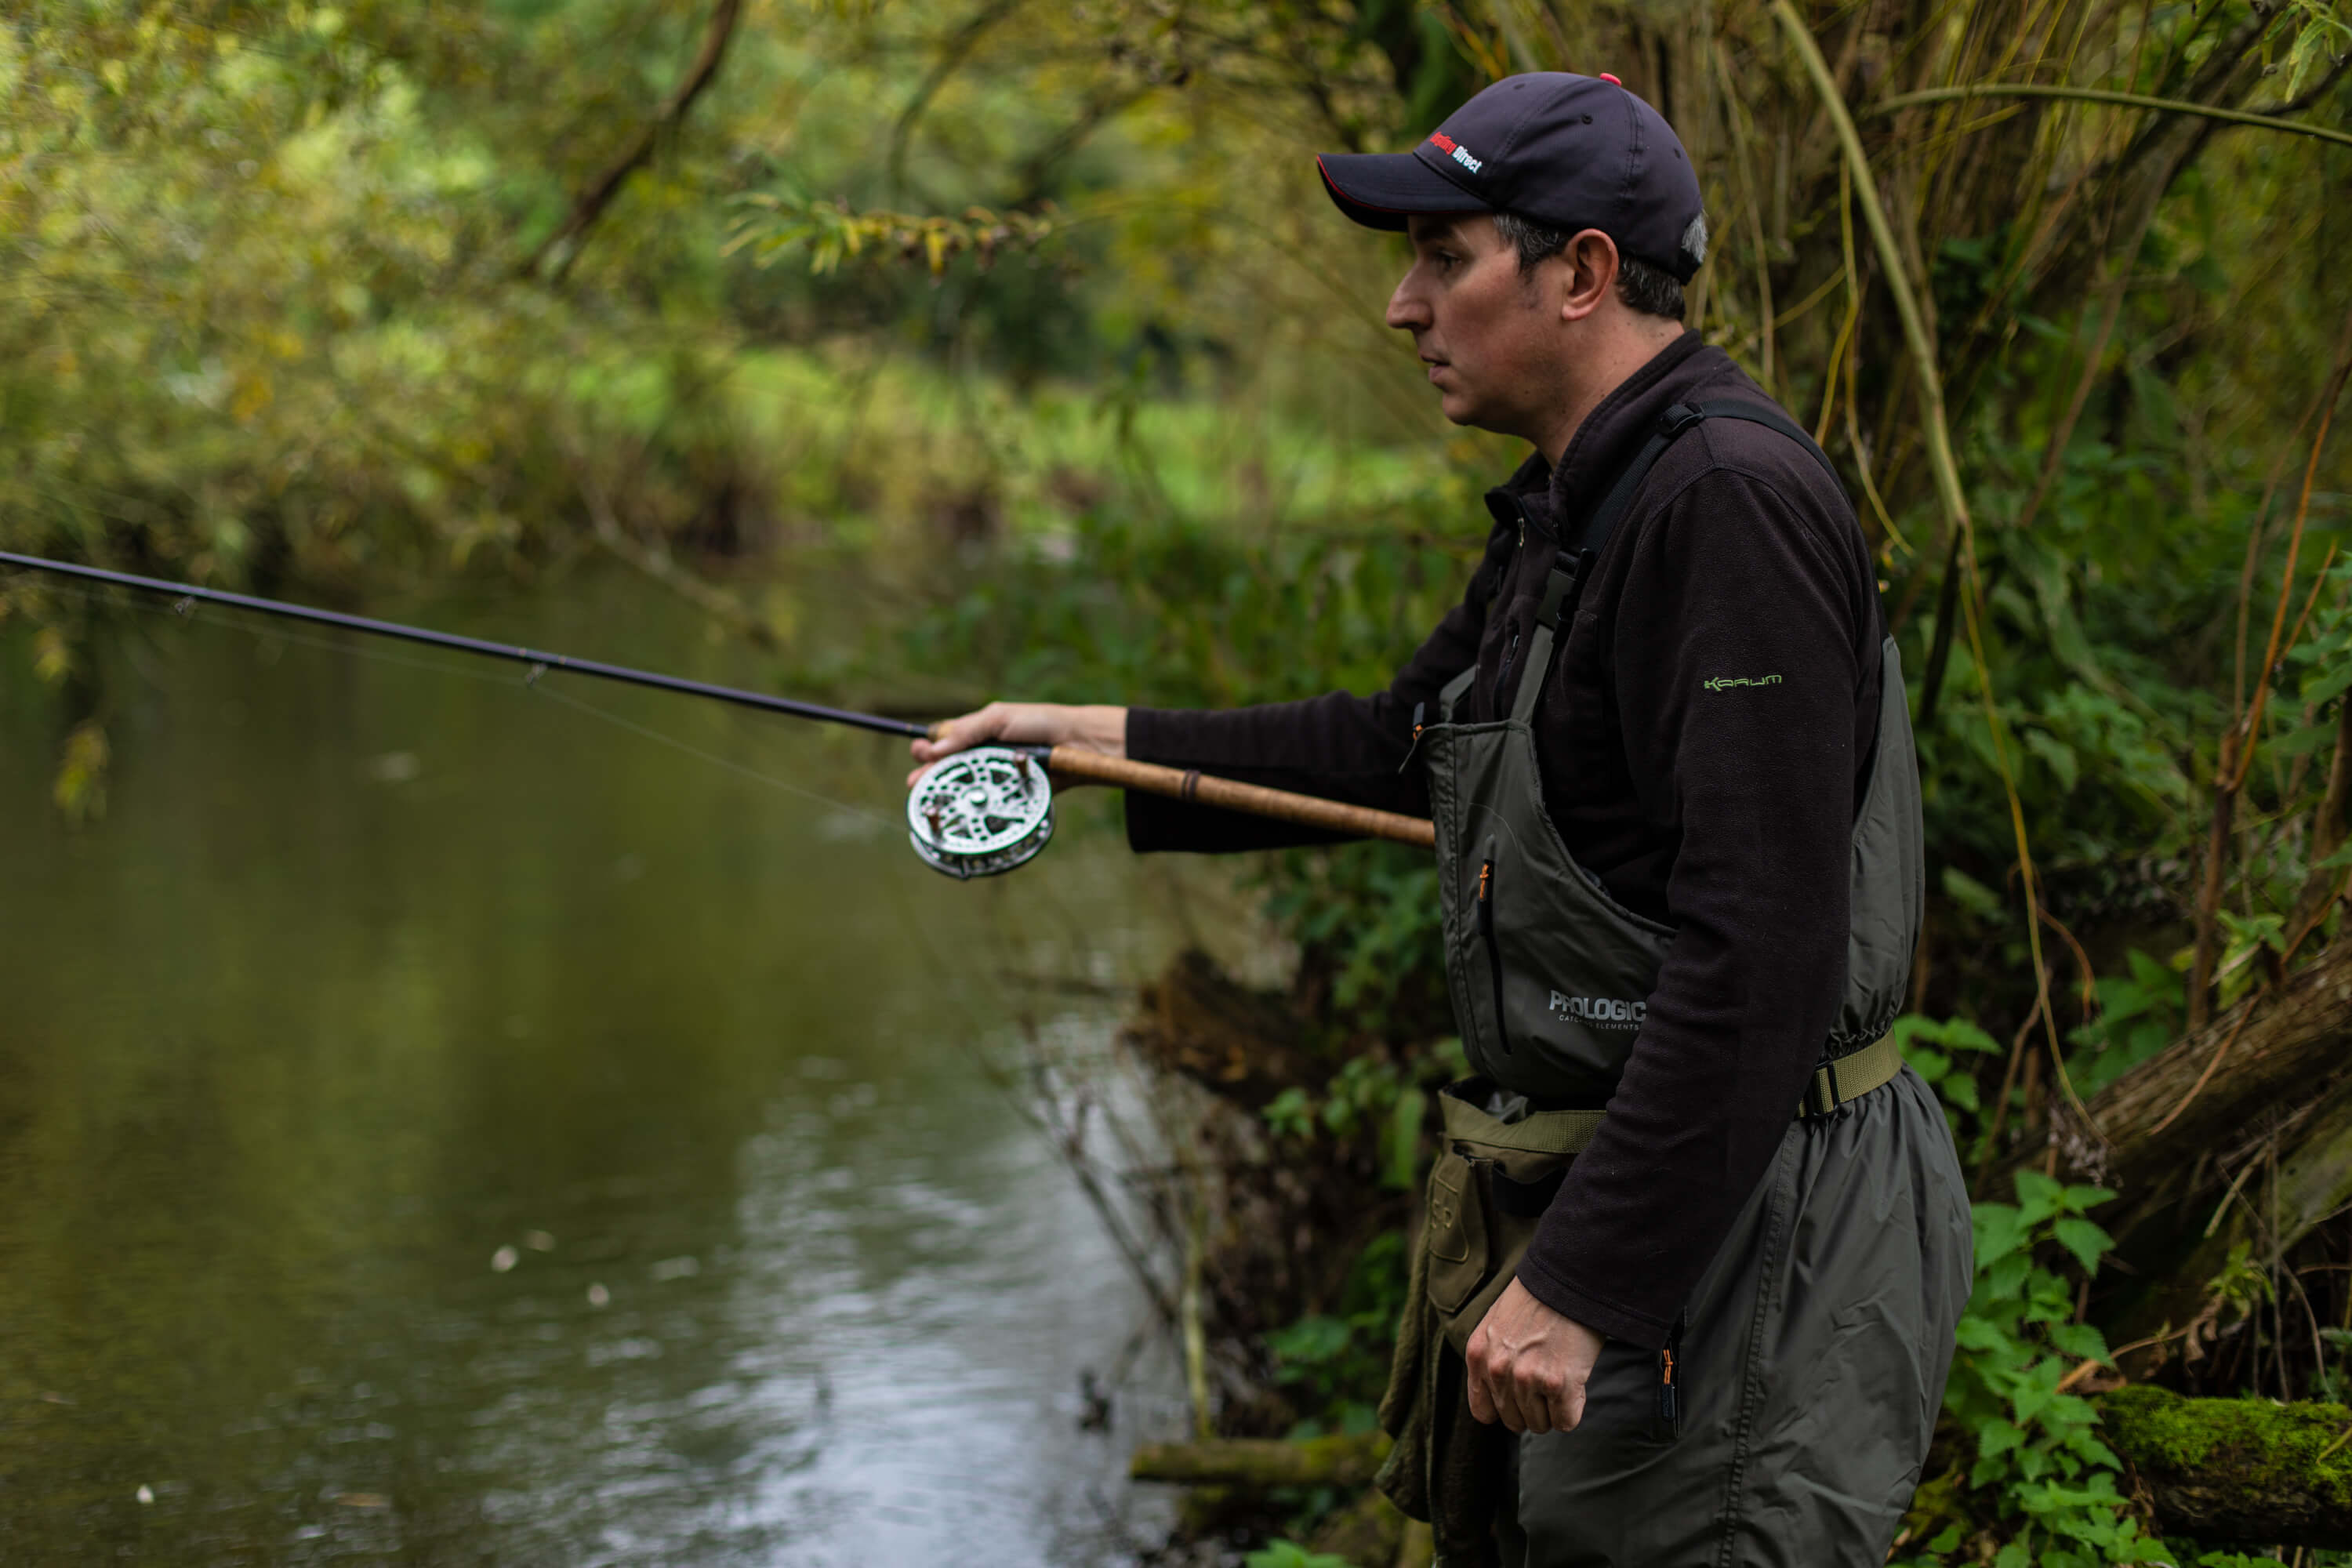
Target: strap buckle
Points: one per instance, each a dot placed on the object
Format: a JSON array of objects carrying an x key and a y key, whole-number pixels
[
  {"x": 1560, "y": 587},
  {"x": 1678, "y": 420},
  {"x": 1821, "y": 1096}
]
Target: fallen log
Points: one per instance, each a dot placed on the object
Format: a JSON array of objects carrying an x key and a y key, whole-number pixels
[
  {"x": 1370, "y": 1533},
  {"x": 1262, "y": 1464},
  {"x": 2312, "y": 1182},
  {"x": 2242, "y": 1470},
  {"x": 2280, "y": 1046},
  {"x": 2211, "y": 1470}
]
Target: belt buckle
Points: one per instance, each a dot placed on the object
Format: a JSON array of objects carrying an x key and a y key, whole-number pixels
[{"x": 1824, "y": 1073}]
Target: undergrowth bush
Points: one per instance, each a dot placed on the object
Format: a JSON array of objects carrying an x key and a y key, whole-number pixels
[{"x": 2040, "y": 1478}]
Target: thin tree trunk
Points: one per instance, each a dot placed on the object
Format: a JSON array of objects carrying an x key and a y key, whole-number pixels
[
  {"x": 2324, "y": 884},
  {"x": 2205, "y": 948}
]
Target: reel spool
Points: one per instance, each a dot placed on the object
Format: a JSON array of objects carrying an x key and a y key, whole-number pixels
[{"x": 982, "y": 813}]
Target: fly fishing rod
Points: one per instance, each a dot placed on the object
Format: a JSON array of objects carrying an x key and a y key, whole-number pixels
[{"x": 977, "y": 812}]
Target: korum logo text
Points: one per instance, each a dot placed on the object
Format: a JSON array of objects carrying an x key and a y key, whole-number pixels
[
  {"x": 1456, "y": 151},
  {"x": 1601, "y": 1011}
]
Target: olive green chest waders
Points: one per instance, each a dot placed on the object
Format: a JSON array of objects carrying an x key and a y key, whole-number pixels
[{"x": 1787, "y": 1419}]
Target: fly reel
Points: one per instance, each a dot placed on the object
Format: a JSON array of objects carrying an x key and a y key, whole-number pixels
[{"x": 981, "y": 813}]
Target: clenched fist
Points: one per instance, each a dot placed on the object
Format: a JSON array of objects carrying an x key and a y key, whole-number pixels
[{"x": 1529, "y": 1366}]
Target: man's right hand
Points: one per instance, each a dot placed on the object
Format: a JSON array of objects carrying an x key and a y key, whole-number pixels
[{"x": 1098, "y": 728}]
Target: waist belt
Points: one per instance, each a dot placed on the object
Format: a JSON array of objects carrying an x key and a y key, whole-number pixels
[
  {"x": 1571, "y": 1131},
  {"x": 1851, "y": 1077}
]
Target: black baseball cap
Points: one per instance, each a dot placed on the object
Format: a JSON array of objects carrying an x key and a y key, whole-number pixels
[{"x": 1564, "y": 150}]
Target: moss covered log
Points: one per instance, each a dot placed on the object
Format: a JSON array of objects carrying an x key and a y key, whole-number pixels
[
  {"x": 2237, "y": 1469},
  {"x": 2213, "y": 1470},
  {"x": 1261, "y": 1464}
]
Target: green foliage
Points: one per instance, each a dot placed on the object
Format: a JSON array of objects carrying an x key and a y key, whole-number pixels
[
  {"x": 267, "y": 313},
  {"x": 2040, "y": 1477},
  {"x": 827, "y": 234},
  {"x": 1338, "y": 1361},
  {"x": 260, "y": 297},
  {"x": 1284, "y": 1554},
  {"x": 1373, "y": 920},
  {"x": 2322, "y": 36},
  {"x": 1370, "y": 1096},
  {"x": 1935, "y": 1051},
  {"x": 2140, "y": 1013},
  {"x": 1178, "y": 610}
]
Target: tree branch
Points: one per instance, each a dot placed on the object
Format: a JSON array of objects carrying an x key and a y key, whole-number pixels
[
  {"x": 951, "y": 57},
  {"x": 2101, "y": 95},
  {"x": 564, "y": 244}
]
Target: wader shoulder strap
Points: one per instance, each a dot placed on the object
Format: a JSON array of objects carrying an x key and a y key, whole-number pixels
[
  {"x": 1575, "y": 561},
  {"x": 1559, "y": 590}
]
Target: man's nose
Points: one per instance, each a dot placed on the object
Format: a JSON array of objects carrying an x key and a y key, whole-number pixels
[{"x": 1408, "y": 311}]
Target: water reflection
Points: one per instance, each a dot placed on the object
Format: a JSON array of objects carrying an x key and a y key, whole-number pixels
[{"x": 436, "y": 1125}]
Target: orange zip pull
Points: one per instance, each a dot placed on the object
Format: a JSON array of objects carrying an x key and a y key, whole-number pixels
[
  {"x": 1670, "y": 1392},
  {"x": 1485, "y": 874}
]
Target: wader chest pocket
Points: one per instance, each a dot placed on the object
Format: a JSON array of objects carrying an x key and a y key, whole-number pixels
[{"x": 1456, "y": 1233}]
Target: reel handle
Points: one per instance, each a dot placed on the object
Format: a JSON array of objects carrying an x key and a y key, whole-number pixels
[{"x": 1255, "y": 800}]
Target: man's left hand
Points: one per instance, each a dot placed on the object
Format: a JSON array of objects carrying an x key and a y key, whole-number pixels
[{"x": 1529, "y": 1366}]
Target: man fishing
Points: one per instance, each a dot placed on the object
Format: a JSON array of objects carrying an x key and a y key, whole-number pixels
[{"x": 1695, "y": 1240}]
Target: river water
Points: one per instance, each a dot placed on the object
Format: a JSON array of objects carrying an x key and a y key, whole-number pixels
[{"x": 440, "y": 1125}]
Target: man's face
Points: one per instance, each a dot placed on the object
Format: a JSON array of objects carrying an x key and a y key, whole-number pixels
[{"x": 1478, "y": 324}]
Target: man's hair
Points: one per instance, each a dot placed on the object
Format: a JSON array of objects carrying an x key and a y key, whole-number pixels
[{"x": 1651, "y": 290}]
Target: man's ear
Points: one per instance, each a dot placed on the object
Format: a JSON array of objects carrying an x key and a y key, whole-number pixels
[{"x": 1591, "y": 258}]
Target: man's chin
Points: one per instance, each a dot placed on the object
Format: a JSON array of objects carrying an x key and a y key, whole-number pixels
[{"x": 1465, "y": 413}]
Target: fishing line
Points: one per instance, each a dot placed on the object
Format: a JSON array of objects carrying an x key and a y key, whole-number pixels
[
  {"x": 909, "y": 908},
  {"x": 546, "y": 689},
  {"x": 266, "y": 632},
  {"x": 982, "y": 1020},
  {"x": 983, "y": 811},
  {"x": 188, "y": 602},
  {"x": 533, "y": 683},
  {"x": 190, "y": 593}
]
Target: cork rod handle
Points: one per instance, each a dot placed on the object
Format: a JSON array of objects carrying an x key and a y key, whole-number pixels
[{"x": 1256, "y": 800}]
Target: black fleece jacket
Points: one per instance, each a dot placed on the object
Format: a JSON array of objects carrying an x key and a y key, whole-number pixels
[{"x": 1726, "y": 812}]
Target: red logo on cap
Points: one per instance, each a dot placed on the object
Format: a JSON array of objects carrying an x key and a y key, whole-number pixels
[
  {"x": 1456, "y": 151},
  {"x": 1611, "y": 80}
]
